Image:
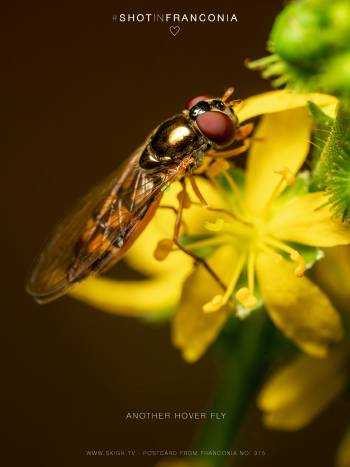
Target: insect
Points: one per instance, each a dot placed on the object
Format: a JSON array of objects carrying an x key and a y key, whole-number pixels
[{"x": 104, "y": 224}]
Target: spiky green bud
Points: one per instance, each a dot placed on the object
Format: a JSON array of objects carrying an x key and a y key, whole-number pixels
[
  {"x": 332, "y": 169},
  {"x": 310, "y": 45}
]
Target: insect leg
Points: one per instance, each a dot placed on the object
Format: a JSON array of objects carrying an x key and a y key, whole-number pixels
[
  {"x": 166, "y": 245},
  {"x": 175, "y": 211},
  {"x": 183, "y": 200},
  {"x": 222, "y": 210},
  {"x": 166, "y": 206},
  {"x": 197, "y": 191},
  {"x": 202, "y": 200},
  {"x": 202, "y": 261},
  {"x": 176, "y": 242},
  {"x": 244, "y": 131},
  {"x": 231, "y": 152}
]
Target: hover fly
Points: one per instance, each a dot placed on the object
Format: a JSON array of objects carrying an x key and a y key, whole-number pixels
[{"x": 106, "y": 222}]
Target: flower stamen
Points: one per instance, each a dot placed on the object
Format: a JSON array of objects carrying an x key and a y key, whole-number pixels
[
  {"x": 300, "y": 269},
  {"x": 246, "y": 297},
  {"x": 218, "y": 301},
  {"x": 217, "y": 167},
  {"x": 233, "y": 186},
  {"x": 163, "y": 248},
  {"x": 293, "y": 254},
  {"x": 237, "y": 208},
  {"x": 277, "y": 256},
  {"x": 251, "y": 271},
  {"x": 286, "y": 174},
  {"x": 287, "y": 177},
  {"x": 215, "y": 304}
]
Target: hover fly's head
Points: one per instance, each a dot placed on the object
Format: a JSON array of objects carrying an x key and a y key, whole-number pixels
[{"x": 214, "y": 117}]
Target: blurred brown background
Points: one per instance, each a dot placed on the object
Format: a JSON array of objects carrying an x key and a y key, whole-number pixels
[{"x": 80, "y": 93}]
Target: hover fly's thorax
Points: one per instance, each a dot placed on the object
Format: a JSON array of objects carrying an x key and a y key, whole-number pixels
[
  {"x": 175, "y": 136},
  {"x": 173, "y": 139}
]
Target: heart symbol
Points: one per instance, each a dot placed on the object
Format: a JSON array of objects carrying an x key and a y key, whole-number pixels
[{"x": 174, "y": 30}]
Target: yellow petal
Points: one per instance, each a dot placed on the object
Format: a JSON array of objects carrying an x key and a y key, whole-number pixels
[
  {"x": 329, "y": 273},
  {"x": 304, "y": 220},
  {"x": 278, "y": 101},
  {"x": 194, "y": 330},
  {"x": 133, "y": 298},
  {"x": 298, "y": 392},
  {"x": 282, "y": 140},
  {"x": 297, "y": 306},
  {"x": 141, "y": 254}
]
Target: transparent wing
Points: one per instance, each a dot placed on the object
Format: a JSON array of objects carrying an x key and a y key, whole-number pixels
[{"x": 100, "y": 228}]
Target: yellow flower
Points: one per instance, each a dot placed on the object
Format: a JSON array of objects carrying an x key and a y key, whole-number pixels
[
  {"x": 300, "y": 390},
  {"x": 255, "y": 252},
  {"x": 330, "y": 273},
  {"x": 260, "y": 238}
]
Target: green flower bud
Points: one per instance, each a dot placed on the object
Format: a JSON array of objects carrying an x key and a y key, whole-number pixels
[
  {"x": 336, "y": 75},
  {"x": 300, "y": 34},
  {"x": 310, "y": 41},
  {"x": 339, "y": 22}
]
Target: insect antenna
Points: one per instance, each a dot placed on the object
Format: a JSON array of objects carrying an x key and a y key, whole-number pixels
[{"x": 228, "y": 93}]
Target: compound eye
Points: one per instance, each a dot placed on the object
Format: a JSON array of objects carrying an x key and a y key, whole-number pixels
[
  {"x": 192, "y": 102},
  {"x": 217, "y": 127}
]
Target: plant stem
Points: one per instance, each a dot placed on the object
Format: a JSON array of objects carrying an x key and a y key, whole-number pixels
[{"x": 244, "y": 357}]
